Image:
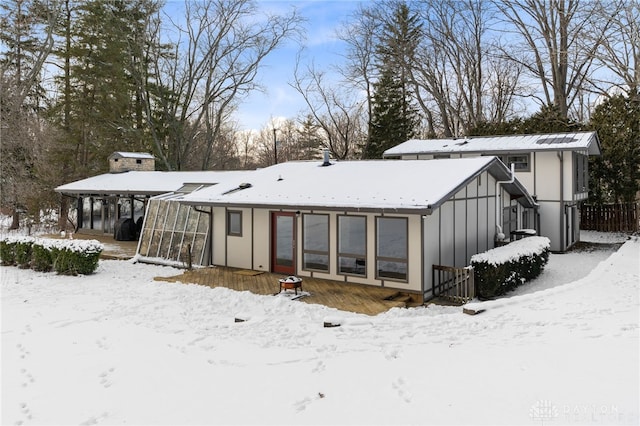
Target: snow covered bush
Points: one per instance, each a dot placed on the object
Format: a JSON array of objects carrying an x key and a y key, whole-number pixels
[
  {"x": 75, "y": 257},
  {"x": 67, "y": 257},
  {"x": 8, "y": 251},
  {"x": 41, "y": 258},
  {"x": 23, "y": 250},
  {"x": 504, "y": 268}
]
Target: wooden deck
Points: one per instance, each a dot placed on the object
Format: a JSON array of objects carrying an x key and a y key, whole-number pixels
[
  {"x": 344, "y": 296},
  {"x": 358, "y": 298}
]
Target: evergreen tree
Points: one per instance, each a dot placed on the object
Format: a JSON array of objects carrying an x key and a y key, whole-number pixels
[
  {"x": 615, "y": 175},
  {"x": 100, "y": 110},
  {"x": 309, "y": 140},
  {"x": 394, "y": 115}
]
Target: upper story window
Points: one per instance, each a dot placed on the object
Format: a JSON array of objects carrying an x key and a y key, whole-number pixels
[
  {"x": 520, "y": 162},
  {"x": 580, "y": 173}
]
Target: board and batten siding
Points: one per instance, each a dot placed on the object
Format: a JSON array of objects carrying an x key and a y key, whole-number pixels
[{"x": 460, "y": 228}]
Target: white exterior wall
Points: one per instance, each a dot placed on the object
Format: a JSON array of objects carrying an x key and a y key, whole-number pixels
[
  {"x": 218, "y": 236},
  {"x": 551, "y": 227},
  {"x": 239, "y": 248},
  {"x": 546, "y": 185},
  {"x": 261, "y": 240}
]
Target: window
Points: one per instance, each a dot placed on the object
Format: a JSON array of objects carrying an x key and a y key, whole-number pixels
[
  {"x": 352, "y": 245},
  {"x": 234, "y": 223},
  {"x": 138, "y": 161},
  {"x": 581, "y": 173},
  {"x": 391, "y": 248},
  {"x": 315, "y": 242},
  {"x": 441, "y": 156},
  {"x": 520, "y": 162}
]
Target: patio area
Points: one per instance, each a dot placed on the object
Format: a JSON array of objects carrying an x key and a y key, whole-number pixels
[{"x": 350, "y": 297}]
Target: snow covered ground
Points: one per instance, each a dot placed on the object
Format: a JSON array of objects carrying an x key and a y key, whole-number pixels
[{"x": 117, "y": 347}]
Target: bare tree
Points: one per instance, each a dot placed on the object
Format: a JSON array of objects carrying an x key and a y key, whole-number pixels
[
  {"x": 459, "y": 80},
  {"x": 549, "y": 45},
  {"x": 217, "y": 56},
  {"x": 619, "y": 51},
  {"x": 26, "y": 38},
  {"x": 360, "y": 35},
  {"x": 336, "y": 109}
]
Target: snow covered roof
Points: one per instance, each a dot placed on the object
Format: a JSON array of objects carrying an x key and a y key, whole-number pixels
[
  {"x": 498, "y": 144},
  {"x": 143, "y": 182},
  {"x": 123, "y": 154},
  {"x": 388, "y": 185}
]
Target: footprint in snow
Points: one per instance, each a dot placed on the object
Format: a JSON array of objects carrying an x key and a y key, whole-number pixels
[
  {"x": 28, "y": 378},
  {"x": 391, "y": 353},
  {"x": 23, "y": 351},
  {"x": 320, "y": 366},
  {"x": 105, "y": 377},
  {"x": 400, "y": 387},
  {"x": 94, "y": 420}
]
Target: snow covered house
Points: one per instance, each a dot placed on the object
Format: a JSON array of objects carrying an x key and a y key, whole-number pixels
[
  {"x": 381, "y": 223},
  {"x": 124, "y": 192},
  {"x": 553, "y": 168}
]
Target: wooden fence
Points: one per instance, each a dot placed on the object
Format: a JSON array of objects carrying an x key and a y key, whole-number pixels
[
  {"x": 454, "y": 284},
  {"x": 610, "y": 217}
]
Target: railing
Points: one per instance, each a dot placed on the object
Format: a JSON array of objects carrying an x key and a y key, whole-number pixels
[
  {"x": 454, "y": 284},
  {"x": 610, "y": 217}
]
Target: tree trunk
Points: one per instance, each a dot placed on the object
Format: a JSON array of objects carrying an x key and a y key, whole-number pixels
[{"x": 15, "y": 222}]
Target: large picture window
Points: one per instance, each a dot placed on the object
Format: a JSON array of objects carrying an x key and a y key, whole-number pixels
[
  {"x": 315, "y": 242},
  {"x": 391, "y": 248},
  {"x": 352, "y": 245}
]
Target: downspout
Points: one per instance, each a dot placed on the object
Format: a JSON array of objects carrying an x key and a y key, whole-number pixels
[
  {"x": 499, "y": 233},
  {"x": 562, "y": 208}
]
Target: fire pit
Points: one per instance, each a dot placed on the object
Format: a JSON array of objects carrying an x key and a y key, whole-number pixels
[{"x": 291, "y": 283}]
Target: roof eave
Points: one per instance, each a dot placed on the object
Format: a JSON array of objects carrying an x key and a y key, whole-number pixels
[{"x": 418, "y": 210}]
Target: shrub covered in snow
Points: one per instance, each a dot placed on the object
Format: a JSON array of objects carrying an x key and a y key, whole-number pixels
[
  {"x": 7, "y": 252},
  {"x": 504, "y": 268},
  {"x": 23, "y": 250},
  {"x": 67, "y": 257}
]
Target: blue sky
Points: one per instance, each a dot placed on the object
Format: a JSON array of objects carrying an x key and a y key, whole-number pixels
[{"x": 281, "y": 100}]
